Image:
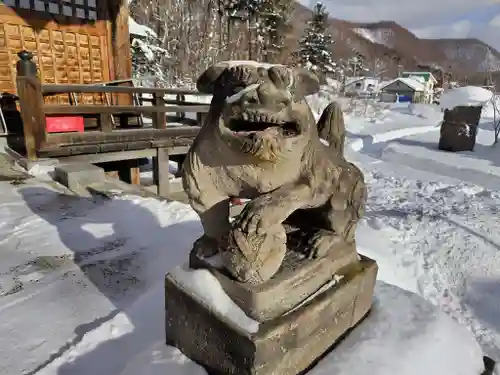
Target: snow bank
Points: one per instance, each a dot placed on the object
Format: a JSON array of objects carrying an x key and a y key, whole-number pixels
[
  {"x": 465, "y": 96},
  {"x": 427, "y": 111},
  {"x": 404, "y": 334},
  {"x": 334, "y": 84}
]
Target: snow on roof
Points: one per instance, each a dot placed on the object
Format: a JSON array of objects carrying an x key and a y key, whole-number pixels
[
  {"x": 351, "y": 80},
  {"x": 413, "y": 84},
  {"x": 425, "y": 75},
  {"x": 417, "y": 78},
  {"x": 465, "y": 96},
  {"x": 139, "y": 30}
]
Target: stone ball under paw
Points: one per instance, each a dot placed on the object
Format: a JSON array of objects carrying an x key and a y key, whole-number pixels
[{"x": 254, "y": 259}]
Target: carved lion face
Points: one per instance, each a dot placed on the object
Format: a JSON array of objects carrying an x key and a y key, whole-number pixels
[{"x": 260, "y": 108}]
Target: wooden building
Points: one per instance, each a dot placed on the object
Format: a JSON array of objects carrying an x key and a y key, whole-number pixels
[
  {"x": 405, "y": 89},
  {"x": 73, "y": 41}
]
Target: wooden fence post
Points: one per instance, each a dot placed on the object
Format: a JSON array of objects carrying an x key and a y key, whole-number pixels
[
  {"x": 159, "y": 118},
  {"x": 181, "y": 98},
  {"x": 29, "y": 91},
  {"x": 161, "y": 171}
]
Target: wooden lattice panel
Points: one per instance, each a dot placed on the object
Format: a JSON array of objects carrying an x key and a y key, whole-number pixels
[{"x": 69, "y": 42}]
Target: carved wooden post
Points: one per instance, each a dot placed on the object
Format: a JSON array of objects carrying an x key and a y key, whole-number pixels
[
  {"x": 29, "y": 91},
  {"x": 26, "y": 67}
]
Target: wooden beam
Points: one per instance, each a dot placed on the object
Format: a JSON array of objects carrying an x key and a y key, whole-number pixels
[
  {"x": 89, "y": 138},
  {"x": 101, "y": 149},
  {"x": 110, "y": 156},
  {"x": 122, "y": 57},
  {"x": 95, "y": 88},
  {"x": 51, "y": 109}
]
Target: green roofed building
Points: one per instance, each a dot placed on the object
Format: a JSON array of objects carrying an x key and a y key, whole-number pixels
[{"x": 427, "y": 79}]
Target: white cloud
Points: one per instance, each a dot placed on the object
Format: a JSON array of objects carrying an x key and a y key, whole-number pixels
[
  {"x": 402, "y": 11},
  {"x": 495, "y": 21},
  {"x": 487, "y": 32},
  {"x": 460, "y": 29}
]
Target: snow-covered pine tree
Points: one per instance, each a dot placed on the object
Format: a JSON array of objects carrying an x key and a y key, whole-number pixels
[
  {"x": 148, "y": 56},
  {"x": 316, "y": 45}
]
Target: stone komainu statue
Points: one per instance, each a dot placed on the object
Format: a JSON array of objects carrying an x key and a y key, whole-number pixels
[{"x": 260, "y": 141}]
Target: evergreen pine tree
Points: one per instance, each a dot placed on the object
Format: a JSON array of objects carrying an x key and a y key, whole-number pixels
[{"x": 315, "y": 47}]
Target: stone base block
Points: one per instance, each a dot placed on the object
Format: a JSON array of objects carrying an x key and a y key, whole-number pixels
[
  {"x": 298, "y": 278},
  {"x": 77, "y": 176},
  {"x": 287, "y": 345}
]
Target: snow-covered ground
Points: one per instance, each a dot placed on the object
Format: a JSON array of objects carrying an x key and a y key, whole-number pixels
[{"x": 81, "y": 280}]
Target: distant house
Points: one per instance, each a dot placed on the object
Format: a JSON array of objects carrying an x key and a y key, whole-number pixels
[
  {"x": 360, "y": 85},
  {"x": 403, "y": 89},
  {"x": 428, "y": 80}
]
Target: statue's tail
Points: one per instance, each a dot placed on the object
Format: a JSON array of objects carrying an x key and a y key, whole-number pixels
[{"x": 331, "y": 127}]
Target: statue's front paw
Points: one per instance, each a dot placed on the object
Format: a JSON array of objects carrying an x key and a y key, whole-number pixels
[
  {"x": 255, "y": 259},
  {"x": 257, "y": 218},
  {"x": 206, "y": 247},
  {"x": 321, "y": 242}
]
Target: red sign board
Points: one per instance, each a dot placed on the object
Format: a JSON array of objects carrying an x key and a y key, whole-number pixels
[{"x": 64, "y": 124}]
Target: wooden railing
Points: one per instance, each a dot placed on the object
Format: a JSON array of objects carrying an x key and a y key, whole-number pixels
[
  {"x": 104, "y": 135},
  {"x": 108, "y": 136},
  {"x": 34, "y": 112}
]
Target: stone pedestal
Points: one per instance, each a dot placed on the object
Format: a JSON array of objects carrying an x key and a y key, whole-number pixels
[
  {"x": 287, "y": 344},
  {"x": 297, "y": 279}
]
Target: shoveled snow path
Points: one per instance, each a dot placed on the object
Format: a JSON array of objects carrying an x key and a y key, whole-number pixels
[
  {"x": 437, "y": 239},
  {"x": 442, "y": 242}
]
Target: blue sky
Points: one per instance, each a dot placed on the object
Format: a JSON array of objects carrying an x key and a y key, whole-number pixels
[{"x": 426, "y": 18}]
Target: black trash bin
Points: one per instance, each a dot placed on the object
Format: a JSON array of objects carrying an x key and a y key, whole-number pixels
[{"x": 459, "y": 128}]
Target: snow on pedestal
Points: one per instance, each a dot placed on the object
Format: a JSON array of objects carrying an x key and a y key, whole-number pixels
[
  {"x": 206, "y": 287},
  {"x": 404, "y": 334}
]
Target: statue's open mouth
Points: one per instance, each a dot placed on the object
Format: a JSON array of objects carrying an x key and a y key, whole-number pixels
[{"x": 250, "y": 123}]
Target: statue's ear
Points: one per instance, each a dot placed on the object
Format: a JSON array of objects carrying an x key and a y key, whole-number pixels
[
  {"x": 206, "y": 82},
  {"x": 306, "y": 82}
]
